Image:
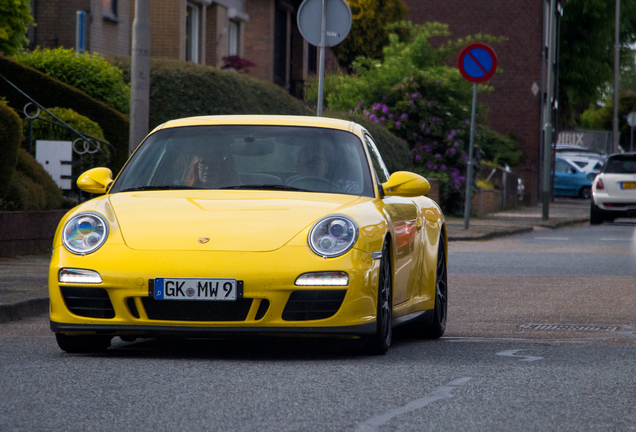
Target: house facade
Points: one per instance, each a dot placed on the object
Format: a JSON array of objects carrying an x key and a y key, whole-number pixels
[{"x": 200, "y": 31}]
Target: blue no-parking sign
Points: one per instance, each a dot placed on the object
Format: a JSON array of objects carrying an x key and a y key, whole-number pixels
[{"x": 477, "y": 63}]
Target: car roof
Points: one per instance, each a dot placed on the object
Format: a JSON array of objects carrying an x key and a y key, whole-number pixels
[{"x": 307, "y": 121}]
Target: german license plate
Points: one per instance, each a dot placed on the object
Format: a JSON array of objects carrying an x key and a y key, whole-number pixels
[
  {"x": 628, "y": 185},
  {"x": 195, "y": 289}
]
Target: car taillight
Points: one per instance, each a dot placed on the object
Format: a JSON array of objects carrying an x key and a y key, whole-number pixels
[{"x": 600, "y": 185}]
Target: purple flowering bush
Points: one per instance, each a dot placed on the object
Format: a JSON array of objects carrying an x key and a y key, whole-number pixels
[{"x": 432, "y": 118}]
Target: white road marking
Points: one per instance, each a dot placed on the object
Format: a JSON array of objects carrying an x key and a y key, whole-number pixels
[
  {"x": 512, "y": 353},
  {"x": 615, "y": 239},
  {"x": 444, "y": 392}
]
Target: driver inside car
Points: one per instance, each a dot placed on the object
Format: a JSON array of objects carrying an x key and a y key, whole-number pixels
[{"x": 313, "y": 161}]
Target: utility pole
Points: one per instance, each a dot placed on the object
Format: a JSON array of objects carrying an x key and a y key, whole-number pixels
[
  {"x": 547, "y": 128},
  {"x": 616, "y": 75},
  {"x": 140, "y": 74}
]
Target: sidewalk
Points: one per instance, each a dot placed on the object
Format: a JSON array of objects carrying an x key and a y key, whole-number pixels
[{"x": 23, "y": 280}]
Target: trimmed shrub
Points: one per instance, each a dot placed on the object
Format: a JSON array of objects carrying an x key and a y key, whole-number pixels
[
  {"x": 10, "y": 134},
  {"x": 51, "y": 92},
  {"x": 31, "y": 188},
  {"x": 91, "y": 74},
  {"x": 180, "y": 89},
  {"x": 43, "y": 130}
]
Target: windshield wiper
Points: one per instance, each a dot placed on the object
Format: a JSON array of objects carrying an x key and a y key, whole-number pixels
[
  {"x": 165, "y": 187},
  {"x": 267, "y": 187}
]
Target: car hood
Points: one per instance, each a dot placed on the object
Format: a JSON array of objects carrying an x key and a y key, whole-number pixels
[{"x": 230, "y": 220}]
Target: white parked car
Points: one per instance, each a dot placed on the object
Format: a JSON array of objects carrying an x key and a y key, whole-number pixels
[
  {"x": 588, "y": 163},
  {"x": 614, "y": 189}
]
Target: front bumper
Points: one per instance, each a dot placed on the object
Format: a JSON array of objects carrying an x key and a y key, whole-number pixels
[{"x": 268, "y": 282}]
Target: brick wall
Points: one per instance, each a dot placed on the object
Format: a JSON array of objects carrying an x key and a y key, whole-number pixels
[
  {"x": 259, "y": 38},
  {"x": 512, "y": 106},
  {"x": 28, "y": 232},
  {"x": 486, "y": 201},
  {"x": 107, "y": 36},
  {"x": 55, "y": 21}
]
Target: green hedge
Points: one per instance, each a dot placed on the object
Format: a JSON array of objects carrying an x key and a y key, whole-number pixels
[
  {"x": 10, "y": 134},
  {"x": 90, "y": 73},
  {"x": 50, "y": 92},
  {"x": 179, "y": 89},
  {"x": 31, "y": 188}
]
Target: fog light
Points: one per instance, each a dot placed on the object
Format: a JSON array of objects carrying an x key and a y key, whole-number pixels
[
  {"x": 337, "y": 278},
  {"x": 79, "y": 276}
]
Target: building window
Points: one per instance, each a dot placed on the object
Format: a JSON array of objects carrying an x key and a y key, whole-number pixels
[
  {"x": 110, "y": 9},
  {"x": 233, "y": 36},
  {"x": 192, "y": 32},
  {"x": 312, "y": 59}
]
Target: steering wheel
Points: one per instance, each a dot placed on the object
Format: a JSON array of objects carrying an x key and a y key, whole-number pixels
[{"x": 314, "y": 183}]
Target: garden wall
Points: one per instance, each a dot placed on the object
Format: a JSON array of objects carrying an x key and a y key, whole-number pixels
[{"x": 28, "y": 232}]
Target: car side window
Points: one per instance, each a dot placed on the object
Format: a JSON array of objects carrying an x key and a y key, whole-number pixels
[
  {"x": 563, "y": 167},
  {"x": 378, "y": 164}
]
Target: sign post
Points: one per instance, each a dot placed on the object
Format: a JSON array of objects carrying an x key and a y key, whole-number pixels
[
  {"x": 331, "y": 29},
  {"x": 631, "y": 121},
  {"x": 477, "y": 63}
]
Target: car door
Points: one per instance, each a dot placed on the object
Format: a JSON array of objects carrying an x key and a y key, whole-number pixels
[
  {"x": 403, "y": 213},
  {"x": 565, "y": 178}
]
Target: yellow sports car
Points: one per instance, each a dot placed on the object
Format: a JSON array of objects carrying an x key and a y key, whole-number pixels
[{"x": 227, "y": 225}]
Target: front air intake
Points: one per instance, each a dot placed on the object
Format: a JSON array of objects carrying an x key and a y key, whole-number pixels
[
  {"x": 88, "y": 302},
  {"x": 307, "y": 305}
]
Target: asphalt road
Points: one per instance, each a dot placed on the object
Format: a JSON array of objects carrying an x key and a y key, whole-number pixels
[{"x": 541, "y": 336}]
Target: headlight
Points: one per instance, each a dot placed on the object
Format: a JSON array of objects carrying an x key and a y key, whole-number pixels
[
  {"x": 333, "y": 236},
  {"x": 85, "y": 233}
]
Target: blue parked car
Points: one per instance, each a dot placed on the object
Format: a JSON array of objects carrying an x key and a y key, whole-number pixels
[{"x": 569, "y": 180}]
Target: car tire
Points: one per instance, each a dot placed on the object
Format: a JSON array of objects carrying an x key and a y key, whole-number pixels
[
  {"x": 596, "y": 214},
  {"x": 425, "y": 328},
  {"x": 585, "y": 192},
  {"x": 379, "y": 343},
  {"x": 82, "y": 344}
]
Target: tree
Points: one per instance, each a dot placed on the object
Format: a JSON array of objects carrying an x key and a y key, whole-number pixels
[
  {"x": 369, "y": 32},
  {"x": 15, "y": 18},
  {"x": 586, "y": 53}
]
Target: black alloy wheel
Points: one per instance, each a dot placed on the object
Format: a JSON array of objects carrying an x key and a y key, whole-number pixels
[
  {"x": 379, "y": 343},
  {"x": 585, "y": 192},
  {"x": 424, "y": 327},
  {"x": 596, "y": 214},
  {"x": 82, "y": 344}
]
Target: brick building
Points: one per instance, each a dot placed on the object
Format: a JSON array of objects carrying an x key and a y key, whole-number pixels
[
  {"x": 107, "y": 25},
  {"x": 201, "y": 31},
  {"x": 519, "y": 100}
]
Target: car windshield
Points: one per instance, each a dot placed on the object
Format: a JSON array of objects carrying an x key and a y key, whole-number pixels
[
  {"x": 249, "y": 157},
  {"x": 621, "y": 164}
]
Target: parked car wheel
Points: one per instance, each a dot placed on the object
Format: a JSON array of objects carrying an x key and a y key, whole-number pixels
[
  {"x": 596, "y": 214},
  {"x": 82, "y": 344},
  {"x": 585, "y": 192}
]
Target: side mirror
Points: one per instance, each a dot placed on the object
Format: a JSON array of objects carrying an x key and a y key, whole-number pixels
[
  {"x": 95, "y": 180},
  {"x": 407, "y": 184},
  {"x": 591, "y": 176}
]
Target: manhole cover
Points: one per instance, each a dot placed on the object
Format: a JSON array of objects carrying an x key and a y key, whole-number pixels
[{"x": 577, "y": 327}]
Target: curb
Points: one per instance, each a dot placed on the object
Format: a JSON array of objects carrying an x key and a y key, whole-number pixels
[
  {"x": 565, "y": 223},
  {"x": 492, "y": 235},
  {"x": 23, "y": 309}
]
